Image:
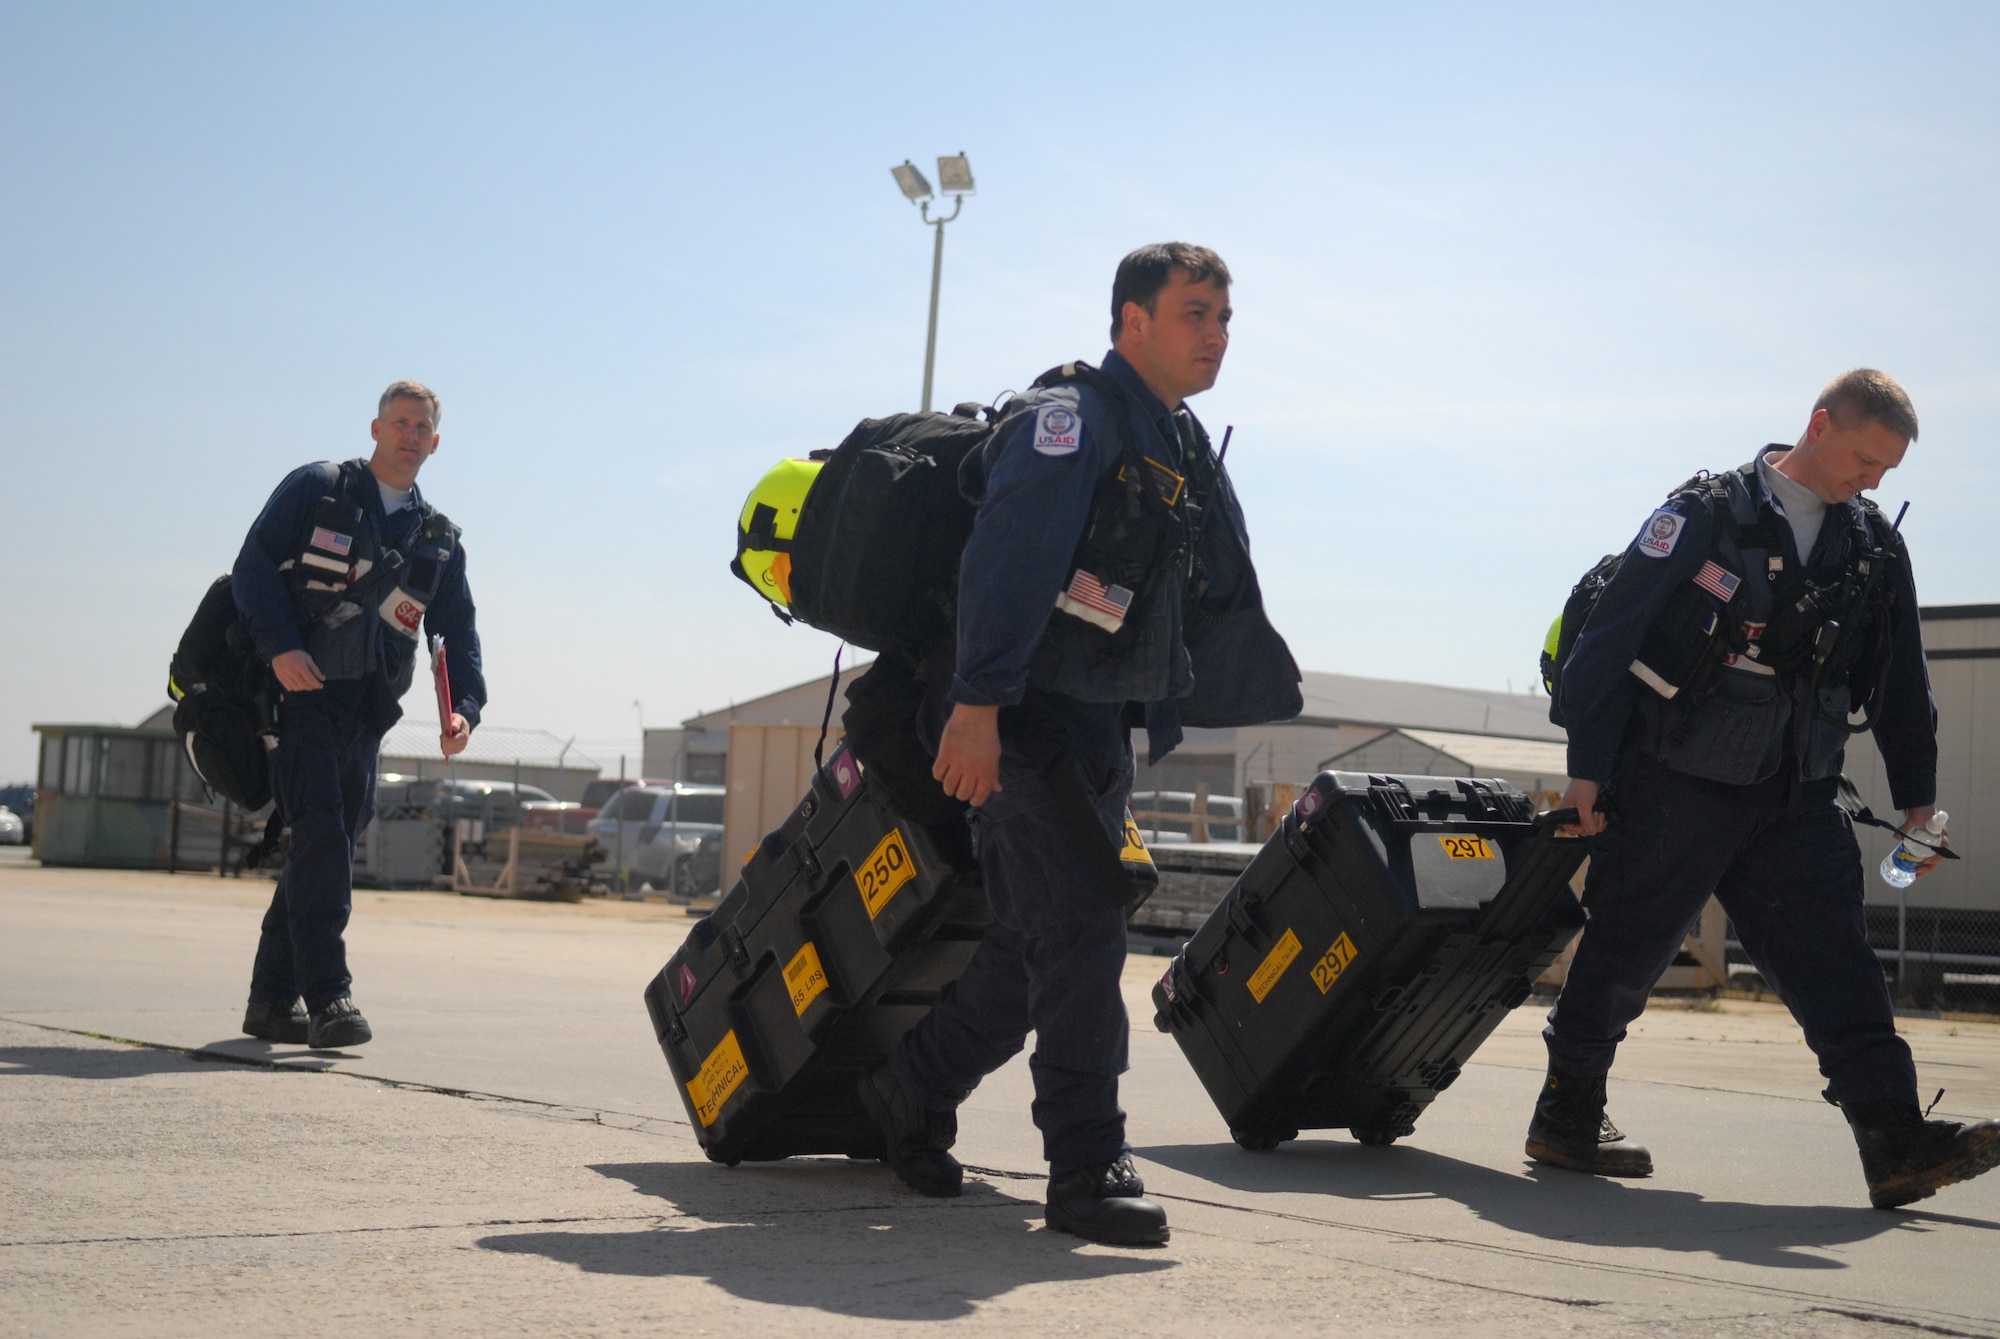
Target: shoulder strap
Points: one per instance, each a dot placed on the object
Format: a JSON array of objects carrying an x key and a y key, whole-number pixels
[{"x": 1731, "y": 505}]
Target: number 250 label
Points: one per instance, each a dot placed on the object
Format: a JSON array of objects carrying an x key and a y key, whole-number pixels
[
  {"x": 887, "y": 868},
  {"x": 1467, "y": 848}
]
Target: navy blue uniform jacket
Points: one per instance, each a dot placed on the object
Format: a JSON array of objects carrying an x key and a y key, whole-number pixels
[
  {"x": 1211, "y": 661},
  {"x": 265, "y": 603},
  {"x": 1599, "y": 691}
]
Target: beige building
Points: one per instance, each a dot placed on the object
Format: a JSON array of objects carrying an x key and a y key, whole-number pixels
[
  {"x": 1962, "y": 643},
  {"x": 1357, "y": 724},
  {"x": 763, "y": 748}
]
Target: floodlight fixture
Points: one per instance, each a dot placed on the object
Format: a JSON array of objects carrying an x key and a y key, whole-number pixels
[
  {"x": 955, "y": 175},
  {"x": 911, "y": 179}
]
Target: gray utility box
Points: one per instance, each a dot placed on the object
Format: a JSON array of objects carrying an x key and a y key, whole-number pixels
[{"x": 404, "y": 846}]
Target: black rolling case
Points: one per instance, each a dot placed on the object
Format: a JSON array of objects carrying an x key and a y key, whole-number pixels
[
  {"x": 841, "y": 931},
  {"x": 1370, "y": 947}
]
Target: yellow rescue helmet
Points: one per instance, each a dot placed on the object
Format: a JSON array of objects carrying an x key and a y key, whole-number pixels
[
  {"x": 1550, "y": 645},
  {"x": 764, "y": 529}
]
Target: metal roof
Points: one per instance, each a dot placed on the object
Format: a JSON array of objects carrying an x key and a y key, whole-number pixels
[
  {"x": 1347, "y": 699},
  {"x": 1487, "y": 753},
  {"x": 1330, "y": 699}
]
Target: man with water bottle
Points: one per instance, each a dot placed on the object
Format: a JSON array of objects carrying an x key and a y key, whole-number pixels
[{"x": 1759, "y": 618}]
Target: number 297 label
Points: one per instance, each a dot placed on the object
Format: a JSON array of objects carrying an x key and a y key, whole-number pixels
[
  {"x": 887, "y": 868},
  {"x": 1467, "y": 847}
]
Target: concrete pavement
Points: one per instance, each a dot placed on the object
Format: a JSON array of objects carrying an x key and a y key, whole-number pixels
[{"x": 510, "y": 1157}]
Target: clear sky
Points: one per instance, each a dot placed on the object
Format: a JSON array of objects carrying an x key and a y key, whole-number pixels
[{"x": 1505, "y": 274}]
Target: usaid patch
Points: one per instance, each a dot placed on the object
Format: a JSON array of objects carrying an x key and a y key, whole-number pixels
[
  {"x": 1058, "y": 431},
  {"x": 1660, "y": 533}
]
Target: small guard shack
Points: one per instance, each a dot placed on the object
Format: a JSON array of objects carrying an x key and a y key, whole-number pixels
[{"x": 125, "y": 797}]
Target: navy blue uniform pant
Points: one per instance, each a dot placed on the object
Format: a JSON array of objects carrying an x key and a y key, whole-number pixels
[
  {"x": 323, "y": 775},
  {"x": 1051, "y": 961},
  {"x": 1782, "y": 859}
]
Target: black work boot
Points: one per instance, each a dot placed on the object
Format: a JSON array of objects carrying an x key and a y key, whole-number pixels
[
  {"x": 1571, "y": 1130},
  {"x": 276, "y": 1022},
  {"x": 1105, "y": 1202},
  {"x": 1906, "y": 1157},
  {"x": 916, "y": 1138},
  {"x": 338, "y": 1026}
]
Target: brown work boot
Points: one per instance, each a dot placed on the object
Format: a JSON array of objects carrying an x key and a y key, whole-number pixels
[
  {"x": 1571, "y": 1130},
  {"x": 1907, "y": 1158}
]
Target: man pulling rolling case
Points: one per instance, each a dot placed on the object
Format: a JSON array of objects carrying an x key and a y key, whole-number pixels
[
  {"x": 1108, "y": 565},
  {"x": 1757, "y": 617},
  {"x": 341, "y": 573}
]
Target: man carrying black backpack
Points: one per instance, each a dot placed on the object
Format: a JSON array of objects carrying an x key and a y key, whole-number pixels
[
  {"x": 1107, "y": 578},
  {"x": 343, "y": 570},
  {"x": 1757, "y": 620}
]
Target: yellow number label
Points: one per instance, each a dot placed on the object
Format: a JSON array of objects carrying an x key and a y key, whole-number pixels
[
  {"x": 1274, "y": 965},
  {"x": 721, "y": 1075},
  {"x": 1333, "y": 962},
  {"x": 805, "y": 978},
  {"x": 1473, "y": 847},
  {"x": 887, "y": 868},
  {"x": 1134, "y": 851}
]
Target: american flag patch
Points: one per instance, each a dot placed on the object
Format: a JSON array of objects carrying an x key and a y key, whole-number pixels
[
  {"x": 323, "y": 538},
  {"x": 1717, "y": 580},
  {"x": 1094, "y": 602}
]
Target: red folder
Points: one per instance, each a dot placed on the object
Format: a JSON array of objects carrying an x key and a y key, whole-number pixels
[{"x": 441, "y": 675}]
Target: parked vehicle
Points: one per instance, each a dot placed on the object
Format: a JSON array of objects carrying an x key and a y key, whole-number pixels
[
  {"x": 12, "y": 830},
  {"x": 602, "y": 789},
  {"x": 556, "y": 816},
  {"x": 497, "y": 803},
  {"x": 575, "y": 816},
  {"x": 1168, "y": 816},
  {"x": 21, "y": 799},
  {"x": 657, "y": 833}
]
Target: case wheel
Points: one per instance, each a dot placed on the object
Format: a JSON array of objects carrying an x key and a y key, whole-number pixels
[
  {"x": 1261, "y": 1141},
  {"x": 1375, "y": 1136}
]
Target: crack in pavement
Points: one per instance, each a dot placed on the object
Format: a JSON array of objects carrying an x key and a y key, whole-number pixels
[
  {"x": 623, "y": 1120},
  {"x": 1855, "y": 1308},
  {"x": 334, "y": 1231},
  {"x": 1875, "y": 1318},
  {"x": 1570, "y": 1262}
]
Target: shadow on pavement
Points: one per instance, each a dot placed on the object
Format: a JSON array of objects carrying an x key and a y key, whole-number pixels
[
  {"x": 832, "y": 1236},
  {"x": 283, "y": 1055},
  {"x": 1558, "y": 1205},
  {"x": 91, "y": 1062}
]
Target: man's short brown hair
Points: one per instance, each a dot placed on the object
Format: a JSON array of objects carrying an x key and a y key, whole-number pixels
[
  {"x": 1867, "y": 396},
  {"x": 410, "y": 390},
  {"x": 1146, "y": 271}
]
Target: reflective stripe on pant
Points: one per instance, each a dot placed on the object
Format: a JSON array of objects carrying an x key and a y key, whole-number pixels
[
  {"x": 1782, "y": 859},
  {"x": 1050, "y": 963},
  {"x": 323, "y": 774}
]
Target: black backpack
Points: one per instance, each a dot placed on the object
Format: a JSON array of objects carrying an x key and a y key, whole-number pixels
[
  {"x": 875, "y": 552},
  {"x": 224, "y": 700},
  {"x": 1589, "y": 588},
  {"x": 874, "y": 556}
]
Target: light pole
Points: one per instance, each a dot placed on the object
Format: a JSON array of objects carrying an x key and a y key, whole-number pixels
[{"x": 955, "y": 180}]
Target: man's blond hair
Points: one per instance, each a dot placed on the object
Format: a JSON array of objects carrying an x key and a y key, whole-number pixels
[
  {"x": 1867, "y": 396},
  {"x": 410, "y": 390}
]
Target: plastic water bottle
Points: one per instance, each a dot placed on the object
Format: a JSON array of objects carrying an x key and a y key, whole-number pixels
[{"x": 1899, "y": 867}]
